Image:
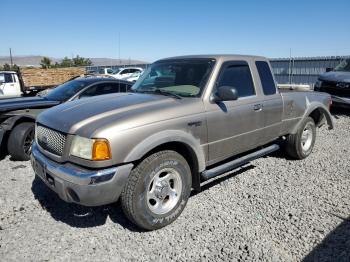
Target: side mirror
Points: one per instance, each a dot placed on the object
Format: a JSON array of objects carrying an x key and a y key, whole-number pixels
[
  {"x": 328, "y": 69},
  {"x": 224, "y": 93}
]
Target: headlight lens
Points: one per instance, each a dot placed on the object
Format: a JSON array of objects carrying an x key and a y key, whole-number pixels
[{"x": 92, "y": 149}]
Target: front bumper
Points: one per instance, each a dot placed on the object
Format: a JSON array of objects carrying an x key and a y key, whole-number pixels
[
  {"x": 78, "y": 185},
  {"x": 338, "y": 101}
]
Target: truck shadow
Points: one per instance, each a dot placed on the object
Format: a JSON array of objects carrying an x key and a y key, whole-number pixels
[
  {"x": 76, "y": 215},
  {"x": 3, "y": 151},
  {"x": 84, "y": 217},
  {"x": 339, "y": 111},
  {"x": 335, "y": 246}
]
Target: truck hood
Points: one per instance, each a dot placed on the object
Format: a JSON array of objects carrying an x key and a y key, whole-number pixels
[
  {"x": 11, "y": 104},
  {"x": 122, "y": 110},
  {"x": 336, "y": 76}
]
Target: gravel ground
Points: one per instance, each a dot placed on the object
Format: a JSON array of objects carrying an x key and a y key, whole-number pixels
[{"x": 273, "y": 210}]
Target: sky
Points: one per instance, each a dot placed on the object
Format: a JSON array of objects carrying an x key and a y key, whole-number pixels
[{"x": 154, "y": 29}]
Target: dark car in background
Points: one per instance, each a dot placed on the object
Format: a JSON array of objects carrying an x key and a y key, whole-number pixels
[
  {"x": 337, "y": 84},
  {"x": 17, "y": 115}
]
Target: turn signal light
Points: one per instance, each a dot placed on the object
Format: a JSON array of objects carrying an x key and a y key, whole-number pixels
[{"x": 101, "y": 150}]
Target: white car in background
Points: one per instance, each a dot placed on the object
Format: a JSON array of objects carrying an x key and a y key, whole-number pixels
[
  {"x": 126, "y": 72},
  {"x": 106, "y": 71},
  {"x": 134, "y": 76}
]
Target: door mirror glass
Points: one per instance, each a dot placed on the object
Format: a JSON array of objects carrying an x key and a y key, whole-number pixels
[{"x": 224, "y": 93}]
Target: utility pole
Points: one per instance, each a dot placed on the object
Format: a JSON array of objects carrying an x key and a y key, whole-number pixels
[
  {"x": 290, "y": 67},
  {"x": 11, "y": 58},
  {"x": 119, "y": 48}
]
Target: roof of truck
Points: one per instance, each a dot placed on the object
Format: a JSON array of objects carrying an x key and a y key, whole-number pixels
[
  {"x": 10, "y": 72},
  {"x": 217, "y": 56}
]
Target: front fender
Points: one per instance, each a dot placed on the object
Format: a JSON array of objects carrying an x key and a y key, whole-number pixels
[
  {"x": 10, "y": 122},
  {"x": 164, "y": 137}
]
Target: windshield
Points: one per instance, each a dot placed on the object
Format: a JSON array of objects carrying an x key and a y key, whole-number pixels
[
  {"x": 343, "y": 66},
  {"x": 67, "y": 90},
  {"x": 182, "y": 77}
]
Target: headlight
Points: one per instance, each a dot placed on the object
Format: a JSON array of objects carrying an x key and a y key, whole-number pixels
[{"x": 92, "y": 149}]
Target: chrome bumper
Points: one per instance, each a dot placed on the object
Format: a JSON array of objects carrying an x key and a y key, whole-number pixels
[{"x": 82, "y": 186}]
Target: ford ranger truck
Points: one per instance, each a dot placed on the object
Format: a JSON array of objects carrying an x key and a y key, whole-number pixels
[{"x": 187, "y": 120}]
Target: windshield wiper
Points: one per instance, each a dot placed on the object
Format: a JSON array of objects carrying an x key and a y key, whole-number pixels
[
  {"x": 160, "y": 92},
  {"x": 167, "y": 93}
]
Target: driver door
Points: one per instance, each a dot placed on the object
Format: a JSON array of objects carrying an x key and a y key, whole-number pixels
[{"x": 234, "y": 126}]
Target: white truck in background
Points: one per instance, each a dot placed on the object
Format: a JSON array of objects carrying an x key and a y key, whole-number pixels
[
  {"x": 10, "y": 84},
  {"x": 30, "y": 81}
]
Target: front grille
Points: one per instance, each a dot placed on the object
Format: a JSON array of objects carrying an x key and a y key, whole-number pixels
[
  {"x": 50, "y": 140},
  {"x": 336, "y": 89}
]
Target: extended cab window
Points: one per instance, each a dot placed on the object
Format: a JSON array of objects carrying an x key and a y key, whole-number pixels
[
  {"x": 268, "y": 84},
  {"x": 237, "y": 75}
]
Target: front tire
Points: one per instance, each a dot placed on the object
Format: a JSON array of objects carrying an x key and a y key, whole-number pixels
[
  {"x": 300, "y": 144},
  {"x": 157, "y": 190},
  {"x": 20, "y": 141}
]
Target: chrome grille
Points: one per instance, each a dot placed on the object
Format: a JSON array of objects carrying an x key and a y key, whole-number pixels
[{"x": 50, "y": 140}]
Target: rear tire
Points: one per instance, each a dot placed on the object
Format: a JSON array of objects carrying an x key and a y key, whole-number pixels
[
  {"x": 157, "y": 190},
  {"x": 300, "y": 144},
  {"x": 20, "y": 141}
]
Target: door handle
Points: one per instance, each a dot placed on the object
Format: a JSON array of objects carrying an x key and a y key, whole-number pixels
[{"x": 258, "y": 107}]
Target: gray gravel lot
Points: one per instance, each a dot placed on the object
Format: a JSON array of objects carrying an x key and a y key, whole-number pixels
[{"x": 274, "y": 210}]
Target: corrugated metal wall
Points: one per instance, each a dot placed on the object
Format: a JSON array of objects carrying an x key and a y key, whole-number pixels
[{"x": 302, "y": 70}]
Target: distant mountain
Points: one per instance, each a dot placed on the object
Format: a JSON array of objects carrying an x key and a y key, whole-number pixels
[{"x": 35, "y": 61}]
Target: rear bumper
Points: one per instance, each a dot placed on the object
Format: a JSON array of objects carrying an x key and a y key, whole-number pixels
[
  {"x": 77, "y": 185},
  {"x": 340, "y": 101}
]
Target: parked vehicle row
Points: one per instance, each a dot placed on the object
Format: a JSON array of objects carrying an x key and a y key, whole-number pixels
[
  {"x": 185, "y": 121},
  {"x": 17, "y": 115},
  {"x": 127, "y": 73}
]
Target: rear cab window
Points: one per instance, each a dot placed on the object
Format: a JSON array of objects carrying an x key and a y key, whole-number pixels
[
  {"x": 237, "y": 74},
  {"x": 266, "y": 78},
  {"x": 8, "y": 78}
]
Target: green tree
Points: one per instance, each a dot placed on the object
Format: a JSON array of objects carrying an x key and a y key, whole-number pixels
[
  {"x": 7, "y": 67},
  {"x": 45, "y": 62},
  {"x": 81, "y": 61},
  {"x": 66, "y": 62},
  {"x": 15, "y": 68}
]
